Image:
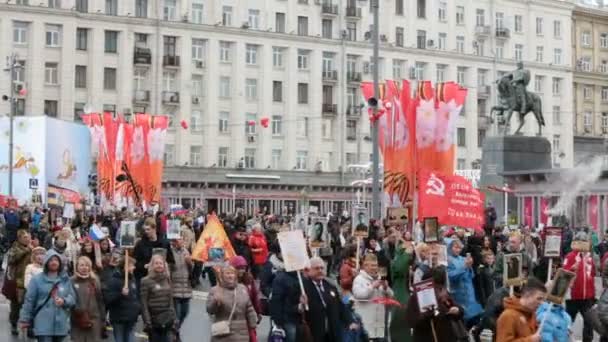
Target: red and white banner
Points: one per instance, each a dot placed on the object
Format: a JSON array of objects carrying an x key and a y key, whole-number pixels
[
  {"x": 452, "y": 199},
  {"x": 528, "y": 211},
  {"x": 544, "y": 206},
  {"x": 592, "y": 211}
]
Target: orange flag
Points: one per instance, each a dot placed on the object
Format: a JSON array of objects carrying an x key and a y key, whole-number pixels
[{"x": 213, "y": 246}]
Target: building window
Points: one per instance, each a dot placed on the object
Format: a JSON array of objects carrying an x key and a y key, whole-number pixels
[
  {"x": 557, "y": 56},
  {"x": 399, "y": 36},
  {"x": 442, "y": 41},
  {"x": 50, "y": 108},
  {"x": 251, "y": 54},
  {"x": 302, "y": 26},
  {"x": 276, "y": 159},
  {"x": 20, "y": 32},
  {"x": 225, "y": 86},
  {"x": 225, "y": 52},
  {"x": 328, "y": 63},
  {"x": 279, "y": 22},
  {"x": 250, "y": 158},
  {"x": 197, "y": 86},
  {"x": 169, "y": 154},
  {"x": 251, "y": 117},
  {"x": 538, "y": 83},
  {"x": 254, "y": 19},
  {"x": 20, "y": 72},
  {"x": 51, "y": 73},
  {"x": 78, "y": 111},
  {"x": 556, "y": 143},
  {"x": 557, "y": 29},
  {"x": 351, "y": 130},
  {"x": 604, "y": 122},
  {"x": 80, "y": 78},
  {"x": 459, "y": 15},
  {"x": 539, "y": 26},
  {"x": 197, "y": 12},
  {"x": 481, "y": 136},
  {"x": 326, "y": 129},
  {"x": 442, "y": 11},
  {"x": 460, "y": 44},
  {"x": 421, "y": 8},
  {"x": 251, "y": 89},
  {"x": 195, "y": 155},
  {"x": 352, "y": 97},
  {"x": 82, "y": 6},
  {"x": 277, "y": 125},
  {"x": 327, "y": 28},
  {"x": 301, "y": 160},
  {"x": 196, "y": 120},
  {"x": 586, "y": 38},
  {"x": 303, "y": 59},
  {"x": 398, "y": 66},
  {"x": 557, "y": 115},
  {"x": 604, "y": 40},
  {"x": 441, "y": 72},
  {"x": 479, "y": 47},
  {"x": 302, "y": 127},
  {"x": 603, "y": 67},
  {"x": 399, "y": 7},
  {"x": 169, "y": 81},
  {"x": 518, "y": 24},
  {"x": 111, "y": 41},
  {"x": 53, "y": 35},
  {"x": 277, "y": 91},
  {"x": 585, "y": 64},
  {"x": 480, "y": 17},
  {"x": 224, "y": 118},
  {"x": 141, "y": 8},
  {"x": 302, "y": 93},
  {"x": 519, "y": 52},
  {"x": 227, "y": 15},
  {"x": 82, "y": 37},
  {"x": 109, "y": 78},
  {"x": 588, "y": 121},
  {"x": 482, "y": 77},
  {"x": 277, "y": 56},
  {"x": 461, "y": 74},
  {"x": 419, "y": 70},
  {"x": 169, "y": 10},
  {"x": 604, "y": 94},
  {"x": 500, "y": 20},
  {"x": 140, "y": 78},
  {"x": 539, "y": 54},
  {"x": 461, "y": 164},
  {"x": 500, "y": 50},
  {"x": 462, "y": 137},
  {"x": 222, "y": 157},
  {"x": 421, "y": 39},
  {"x": 587, "y": 92},
  {"x": 198, "y": 49},
  {"x": 111, "y": 7}
]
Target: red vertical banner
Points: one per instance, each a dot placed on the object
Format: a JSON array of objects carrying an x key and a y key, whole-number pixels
[
  {"x": 544, "y": 206},
  {"x": 450, "y": 100},
  {"x": 528, "y": 211},
  {"x": 156, "y": 151},
  {"x": 592, "y": 211}
]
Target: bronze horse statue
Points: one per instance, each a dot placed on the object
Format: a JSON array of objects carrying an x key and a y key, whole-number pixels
[{"x": 508, "y": 102}]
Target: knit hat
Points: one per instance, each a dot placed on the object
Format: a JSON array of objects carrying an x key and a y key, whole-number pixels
[{"x": 238, "y": 261}]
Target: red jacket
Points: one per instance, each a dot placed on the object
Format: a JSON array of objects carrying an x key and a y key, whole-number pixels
[
  {"x": 584, "y": 284},
  {"x": 258, "y": 241}
]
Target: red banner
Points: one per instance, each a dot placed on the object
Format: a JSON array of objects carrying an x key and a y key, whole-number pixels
[
  {"x": 528, "y": 211},
  {"x": 544, "y": 206},
  {"x": 592, "y": 211},
  {"x": 452, "y": 199}
]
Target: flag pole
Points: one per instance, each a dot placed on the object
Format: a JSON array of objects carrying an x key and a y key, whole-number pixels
[{"x": 375, "y": 142}]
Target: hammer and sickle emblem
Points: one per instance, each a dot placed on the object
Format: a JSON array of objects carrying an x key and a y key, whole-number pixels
[{"x": 435, "y": 186}]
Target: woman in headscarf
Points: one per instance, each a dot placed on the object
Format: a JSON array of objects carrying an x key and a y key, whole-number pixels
[
  {"x": 230, "y": 296},
  {"x": 158, "y": 311},
  {"x": 246, "y": 278},
  {"x": 88, "y": 317}
]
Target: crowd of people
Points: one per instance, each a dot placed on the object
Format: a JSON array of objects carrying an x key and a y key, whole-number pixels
[{"x": 62, "y": 281}]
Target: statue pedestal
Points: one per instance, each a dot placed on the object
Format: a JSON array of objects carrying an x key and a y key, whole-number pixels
[{"x": 510, "y": 153}]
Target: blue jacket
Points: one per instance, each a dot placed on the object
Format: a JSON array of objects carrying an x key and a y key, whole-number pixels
[
  {"x": 461, "y": 285},
  {"x": 51, "y": 320},
  {"x": 557, "y": 323}
]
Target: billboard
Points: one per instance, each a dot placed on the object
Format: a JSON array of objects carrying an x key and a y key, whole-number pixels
[{"x": 54, "y": 152}]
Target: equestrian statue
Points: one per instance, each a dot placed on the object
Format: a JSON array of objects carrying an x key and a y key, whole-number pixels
[{"x": 513, "y": 97}]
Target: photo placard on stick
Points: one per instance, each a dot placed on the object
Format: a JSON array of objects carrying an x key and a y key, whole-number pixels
[
  {"x": 512, "y": 269},
  {"x": 553, "y": 242},
  {"x": 360, "y": 222},
  {"x": 396, "y": 216},
  {"x": 425, "y": 294},
  {"x": 68, "y": 210},
  {"x": 301, "y": 222},
  {"x": 560, "y": 285},
  {"x": 317, "y": 233},
  {"x": 431, "y": 229},
  {"x": 293, "y": 247},
  {"x": 174, "y": 229},
  {"x": 127, "y": 234},
  {"x": 439, "y": 254}
]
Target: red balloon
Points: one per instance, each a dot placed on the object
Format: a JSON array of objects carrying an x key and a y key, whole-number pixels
[
  {"x": 264, "y": 122},
  {"x": 184, "y": 124},
  {"x": 251, "y": 122},
  {"x": 22, "y": 92}
]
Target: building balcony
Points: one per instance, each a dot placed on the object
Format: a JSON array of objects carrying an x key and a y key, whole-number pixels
[
  {"x": 330, "y": 109},
  {"x": 142, "y": 56},
  {"x": 171, "y": 97},
  {"x": 353, "y": 12},
  {"x": 353, "y": 111},
  {"x": 503, "y": 33},
  {"x": 329, "y": 9},
  {"x": 353, "y": 76},
  {"x": 330, "y": 75},
  {"x": 483, "y": 91},
  {"x": 141, "y": 96},
  {"x": 484, "y": 121},
  {"x": 482, "y": 30},
  {"x": 171, "y": 61}
]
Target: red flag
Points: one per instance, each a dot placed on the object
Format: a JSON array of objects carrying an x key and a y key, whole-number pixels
[
  {"x": 528, "y": 211},
  {"x": 592, "y": 211},
  {"x": 544, "y": 206},
  {"x": 450, "y": 198}
]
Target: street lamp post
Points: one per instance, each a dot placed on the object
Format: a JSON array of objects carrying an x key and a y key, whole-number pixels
[
  {"x": 11, "y": 66},
  {"x": 376, "y": 149}
]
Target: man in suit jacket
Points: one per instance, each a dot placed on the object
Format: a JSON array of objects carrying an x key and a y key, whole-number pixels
[{"x": 326, "y": 316}]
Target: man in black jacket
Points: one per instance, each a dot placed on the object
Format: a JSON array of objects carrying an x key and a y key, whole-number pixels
[
  {"x": 145, "y": 248},
  {"x": 326, "y": 315}
]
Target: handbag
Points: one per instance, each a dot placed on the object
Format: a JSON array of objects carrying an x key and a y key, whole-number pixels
[
  {"x": 81, "y": 317},
  {"x": 9, "y": 287},
  {"x": 222, "y": 328}
]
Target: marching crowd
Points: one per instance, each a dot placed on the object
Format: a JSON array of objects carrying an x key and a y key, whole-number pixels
[{"x": 62, "y": 280}]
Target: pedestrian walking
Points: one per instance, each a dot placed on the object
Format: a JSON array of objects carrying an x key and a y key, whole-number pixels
[
  {"x": 88, "y": 316},
  {"x": 122, "y": 302},
  {"x": 18, "y": 257},
  {"x": 158, "y": 311}
]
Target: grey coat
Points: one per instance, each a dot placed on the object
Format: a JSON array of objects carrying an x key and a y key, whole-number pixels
[
  {"x": 219, "y": 304},
  {"x": 89, "y": 298},
  {"x": 180, "y": 274}
]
